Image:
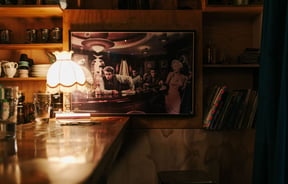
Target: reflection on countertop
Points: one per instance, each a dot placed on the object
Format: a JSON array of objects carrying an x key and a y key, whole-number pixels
[{"x": 51, "y": 153}]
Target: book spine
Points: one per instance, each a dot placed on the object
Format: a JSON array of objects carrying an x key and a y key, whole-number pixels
[{"x": 213, "y": 107}]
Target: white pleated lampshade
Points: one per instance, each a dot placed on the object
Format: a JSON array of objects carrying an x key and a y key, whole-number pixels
[{"x": 65, "y": 75}]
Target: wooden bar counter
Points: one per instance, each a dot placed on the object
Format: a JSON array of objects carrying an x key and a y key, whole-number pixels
[{"x": 53, "y": 153}]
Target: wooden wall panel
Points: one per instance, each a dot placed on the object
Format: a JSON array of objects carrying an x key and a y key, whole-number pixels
[{"x": 226, "y": 155}]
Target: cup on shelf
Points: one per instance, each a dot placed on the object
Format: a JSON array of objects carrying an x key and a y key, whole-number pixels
[
  {"x": 5, "y": 36},
  {"x": 31, "y": 35},
  {"x": 43, "y": 35},
  {"x": 55, "y": 35},
  {"x": 42, "y": 106},
  {"x": 10, "y": 68}
]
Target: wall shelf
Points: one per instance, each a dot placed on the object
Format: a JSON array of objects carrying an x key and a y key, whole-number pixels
[
  {"x": 231, "y": 66},
  {"x": 32, "y": 46},
  {"x": 232, "y": 9},
  {"x": 24, "y": 79},
  {"x": 41, "y": 11},
  {"x": 243, "y": 11}
]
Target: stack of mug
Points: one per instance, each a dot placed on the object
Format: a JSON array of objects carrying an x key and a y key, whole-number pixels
[
  {"x": 10, "y": 69},
  {"x": 23, "y": 69}
]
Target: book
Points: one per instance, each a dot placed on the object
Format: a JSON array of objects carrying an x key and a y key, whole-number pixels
[
  {"x": 251, "y": 106},
  {"x": 220, "y": 123},
  {"x": 214, "y": 105},
  {"x": 215, "y": 120},
  {"x": 252, "y": 114},
  {"x": 229, "y": 118},
  {"x": 232, "y": 110},
  {"x": 243, "y": 109},
  {"x": 238, "y": 109}
]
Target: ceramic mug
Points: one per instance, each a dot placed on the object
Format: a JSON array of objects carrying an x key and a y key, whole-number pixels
[{"x": 10, "y": 68}]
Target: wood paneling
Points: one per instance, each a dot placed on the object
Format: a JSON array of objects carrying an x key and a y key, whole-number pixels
[{"x": 226, "y": 155}]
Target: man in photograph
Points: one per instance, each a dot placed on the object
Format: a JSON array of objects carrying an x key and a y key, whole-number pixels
[{"x": 115, "y": 83}]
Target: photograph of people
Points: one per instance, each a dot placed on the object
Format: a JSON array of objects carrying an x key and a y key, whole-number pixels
[
  {"x": 141, "y": 72},
  {"x": 176, "y": 82}
]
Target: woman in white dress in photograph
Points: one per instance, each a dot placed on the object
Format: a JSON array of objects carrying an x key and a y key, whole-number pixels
[{"x": 176, "y": 82}]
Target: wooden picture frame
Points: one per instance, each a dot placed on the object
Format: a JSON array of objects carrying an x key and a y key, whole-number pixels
[{"x": 163, "y": 63}]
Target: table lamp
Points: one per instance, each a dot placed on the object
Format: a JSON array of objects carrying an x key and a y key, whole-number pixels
[{"x": 65, "y": 76}]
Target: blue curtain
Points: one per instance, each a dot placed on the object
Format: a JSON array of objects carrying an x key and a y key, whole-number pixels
[{"x": 270, "y": 158}]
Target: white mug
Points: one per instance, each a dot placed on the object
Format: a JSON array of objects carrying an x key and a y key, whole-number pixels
[{"x": 10, "y": 68}]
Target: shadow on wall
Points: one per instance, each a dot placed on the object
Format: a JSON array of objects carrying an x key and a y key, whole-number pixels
[{"x": 226, "y": 155}]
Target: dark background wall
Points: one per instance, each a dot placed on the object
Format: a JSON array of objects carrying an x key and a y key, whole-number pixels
[{"x": 226, "y": 155}]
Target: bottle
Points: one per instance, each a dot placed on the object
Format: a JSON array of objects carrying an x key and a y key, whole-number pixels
[
  {"x": 20, "y": 109},
  {"x": 5, "y": 110},
  {"x": 211, "y": 53}
]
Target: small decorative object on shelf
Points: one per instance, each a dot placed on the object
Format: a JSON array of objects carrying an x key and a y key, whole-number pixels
[
  {"x": 63, "y": 4},
  {"x": 43, "y": 35},
  {"x": 211, "y": 53},
  {"x": 23, "y": 69},
  {"x": 31, "y": 35},
  {"x": 55, "y": 35},
  {"x": 250, "y": 56},
  {"x": 5, "y": 35},
  {"x": 9, "y": 68}
]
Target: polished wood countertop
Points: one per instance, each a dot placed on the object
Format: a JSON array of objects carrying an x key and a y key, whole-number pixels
[{"x": 53, "y": 153}]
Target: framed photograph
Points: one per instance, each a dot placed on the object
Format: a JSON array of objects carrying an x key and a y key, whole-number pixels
[{"x": 135, "y": 72}]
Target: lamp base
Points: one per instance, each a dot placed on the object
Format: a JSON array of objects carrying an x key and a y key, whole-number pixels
[
  {"x": 72, "y": 115},
  {"x": 67, "y": 102}
]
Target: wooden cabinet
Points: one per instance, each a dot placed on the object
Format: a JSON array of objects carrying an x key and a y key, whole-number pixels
[{"x": 18, "y": 19}]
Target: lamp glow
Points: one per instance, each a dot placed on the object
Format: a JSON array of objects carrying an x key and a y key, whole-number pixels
[{"x": 65, "y": 76}]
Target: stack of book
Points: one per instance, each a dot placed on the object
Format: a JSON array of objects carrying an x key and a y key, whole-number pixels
[
  {"x": 234, "y": 109},
  {"x": 250, "y": 56}
]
